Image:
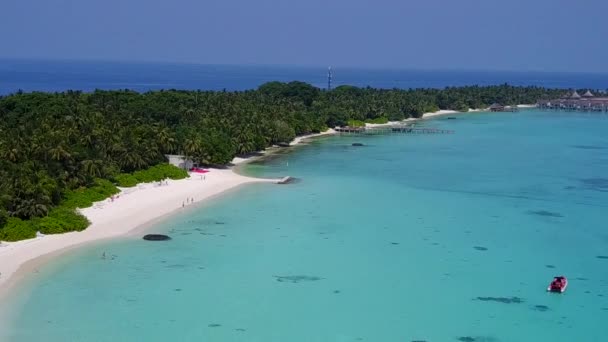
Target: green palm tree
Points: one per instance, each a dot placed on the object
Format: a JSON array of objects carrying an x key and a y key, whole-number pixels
[{"x": 92, "y": 168}]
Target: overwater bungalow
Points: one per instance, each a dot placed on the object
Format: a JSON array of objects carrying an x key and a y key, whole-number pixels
[
  {"x": 574, "y": 101},
  {"x": 496, "y": 107}
]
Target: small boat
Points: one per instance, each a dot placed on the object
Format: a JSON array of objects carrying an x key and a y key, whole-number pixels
[{"x": 559, "y": 284}]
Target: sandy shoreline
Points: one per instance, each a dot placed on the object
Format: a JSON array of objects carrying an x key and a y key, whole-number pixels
[
  {"x": 426, "y": 116},
  {"x": 135, "y": 208},
  {"x": 297, "y": 141}
]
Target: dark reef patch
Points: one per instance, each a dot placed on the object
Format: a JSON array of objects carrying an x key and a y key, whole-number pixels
[
  {"x": 602, "y": 256},
  {"x": 207, "y": 222},
  {"x": 480, "y": 248},
  {"x": 541, "y": 308},
  {"x": 477, "y": 339},
  {"x": 296, "y": 279},
  {"x": 544, "y": 213},
  {"x": 589, "y": 147},
  {"x": 504, "y": 300},
  {"x": 156, "y": 237},
  {"x": 597, "y": 184}
]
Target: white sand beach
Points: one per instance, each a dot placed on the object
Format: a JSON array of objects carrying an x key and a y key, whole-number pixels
[
  {"x": 297, "y": 141},
  {"x": 133, "y": 208},
  {"x": 448, "y": 112},
  {"x": 303, "y": 138},
  {"x": 424, "y": 116}
]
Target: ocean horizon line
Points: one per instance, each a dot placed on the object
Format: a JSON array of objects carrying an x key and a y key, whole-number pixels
[{"x": 300, "y": 66}]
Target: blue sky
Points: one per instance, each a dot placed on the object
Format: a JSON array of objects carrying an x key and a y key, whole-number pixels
[{"x": 549, "y": 35}]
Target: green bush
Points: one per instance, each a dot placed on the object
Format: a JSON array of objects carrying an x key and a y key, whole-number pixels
[
  {"x": 3, "y": 217},
  {"x": 85, "y": 197},
  {"x": 160, "y": 172},
  {"x": 170, "y": 171},
  {"x": 62, "y": 220},
  {"x": 125, "y": 180},
  {"x": 356, "y": 123},
  {"x": 17, "y": 229},
  {"x": 152, "y": 174},
  {"x": 380, "y": 120}
]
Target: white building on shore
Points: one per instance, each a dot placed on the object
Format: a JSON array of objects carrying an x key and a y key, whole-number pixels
[{"x": 180, "y": 161}]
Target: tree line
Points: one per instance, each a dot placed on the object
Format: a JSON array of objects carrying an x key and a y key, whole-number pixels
[{"x": 52, "y": 144}]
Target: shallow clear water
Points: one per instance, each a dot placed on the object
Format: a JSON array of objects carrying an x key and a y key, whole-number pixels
[{"x": 411, "y": 237}]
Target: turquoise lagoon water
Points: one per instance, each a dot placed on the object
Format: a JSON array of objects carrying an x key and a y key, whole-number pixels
[{"x": 409, "y": 238}]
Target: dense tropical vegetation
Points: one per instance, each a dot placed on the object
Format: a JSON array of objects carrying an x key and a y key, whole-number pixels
[{"x": 59, "y": 151}]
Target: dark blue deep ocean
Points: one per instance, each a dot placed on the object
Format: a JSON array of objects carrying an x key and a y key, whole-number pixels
[{"x": 39, "y": 75}]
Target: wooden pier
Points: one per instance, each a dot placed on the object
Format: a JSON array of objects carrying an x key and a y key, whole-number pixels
[
  {"x": 392, "y": 129},
  {"x": 573, "y": 107},
  {"x": 285, "y": 180}
]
